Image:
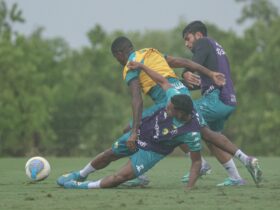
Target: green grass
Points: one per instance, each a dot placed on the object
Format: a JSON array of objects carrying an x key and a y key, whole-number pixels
[{"x": 164, "y": 192}]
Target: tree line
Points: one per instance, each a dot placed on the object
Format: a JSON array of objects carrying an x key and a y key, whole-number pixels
[{"x": 60, "y": 101}]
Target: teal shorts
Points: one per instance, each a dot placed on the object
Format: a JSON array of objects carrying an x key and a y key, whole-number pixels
[
  {"x": 158, "y": 95},
  {"x": 120, "y": 148},
  {"x": 143, "y": 160},
  {"x": 213, "y": 110}
]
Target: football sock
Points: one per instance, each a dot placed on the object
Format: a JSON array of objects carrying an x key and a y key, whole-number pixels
[
  {"x": 231, "y": 169},
  {"x": 203, "y": 162},
  {"x": 87, "y": 170},
  {"x": 94, "y": 184},
  {"x": 241, "y": 156}
]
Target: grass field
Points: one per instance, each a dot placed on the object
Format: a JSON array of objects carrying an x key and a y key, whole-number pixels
[{"x": 164, "y": 192}]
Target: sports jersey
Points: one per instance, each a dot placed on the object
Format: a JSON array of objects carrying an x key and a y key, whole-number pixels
[
  {"x": 207, "y": 52},
  {"x": 154, "y": 60},
  {"x": 161, "y": 133}
]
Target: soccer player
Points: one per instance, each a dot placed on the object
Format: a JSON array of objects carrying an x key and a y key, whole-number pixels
[
  {"x": 217, "y": 102},
  {"x": 137, "y": 81},
  {"x": 157, "y": 136},
  {"x": 216, "y": 138}
]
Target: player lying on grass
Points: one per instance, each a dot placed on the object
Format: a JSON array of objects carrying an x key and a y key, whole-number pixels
[
  {"x": 131, "y": 169},
  {"x": 158, "y": 135}
]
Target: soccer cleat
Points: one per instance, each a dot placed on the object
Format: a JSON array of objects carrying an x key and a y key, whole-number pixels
[
  {"x": 140, "y": 181},
  {"x": 75, "y": 176},
  {"x": 232, "y": 182},
  {"x": 76, "y": 185},
  {"x": 254, "y": 169},
  {"x": 206, "y": 169}
]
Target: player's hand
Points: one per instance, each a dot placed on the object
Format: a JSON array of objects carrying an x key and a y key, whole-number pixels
[
  {"x": 218, "y": 78},
  {"x": 134, "y": 65},
  {"x": 192, "y": 79},
  {"x": 131, "y": 142}
]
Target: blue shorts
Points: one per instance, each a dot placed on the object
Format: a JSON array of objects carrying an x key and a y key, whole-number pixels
[
  {"x": 213, "y": 110},
  {"x": 143, "y": 160}
]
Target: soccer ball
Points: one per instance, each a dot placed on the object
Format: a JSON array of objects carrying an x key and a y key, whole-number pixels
[{"x": 37, "y": 168}]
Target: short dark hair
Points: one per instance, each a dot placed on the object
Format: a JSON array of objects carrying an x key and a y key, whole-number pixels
[
  {"x": 195, "y": 26},
  {"x": 121, "y": 44},
  {"x": 183, "y": 103}
]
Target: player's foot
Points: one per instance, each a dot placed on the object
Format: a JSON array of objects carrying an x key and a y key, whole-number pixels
[
  {"x": 254, "y": 169},
  {"x": 141, "y": 181},
  {"x": 232, "y": 182},
  {"x": 206, "y": 169},
  {"x": 69, "y": 177},
  {"x": 76, "y": 185}
]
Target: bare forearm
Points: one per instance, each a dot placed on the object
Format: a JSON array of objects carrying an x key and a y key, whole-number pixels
[
  {"x": 137, "y": 108},
  {"x": 195, "y": 168},
  {"x": 137, "y": 104},
  {"x": 176, "y": 62},
  {"x": 194, "y": 173},
  {"x": 159, "y": 79}
]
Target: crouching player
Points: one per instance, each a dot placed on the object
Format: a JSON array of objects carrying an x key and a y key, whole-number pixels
[{"x": 158, "y": 135}]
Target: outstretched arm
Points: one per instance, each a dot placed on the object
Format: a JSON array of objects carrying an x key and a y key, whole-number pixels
[
  {"x": 195, "y": 168},
  {"x": 137, "y": 108},
  {"x": 176, "y": 62},
  {"x": 162, "y": 81}
]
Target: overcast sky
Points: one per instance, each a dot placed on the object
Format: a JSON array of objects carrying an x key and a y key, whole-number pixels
[{"x": 72, "y": 19}]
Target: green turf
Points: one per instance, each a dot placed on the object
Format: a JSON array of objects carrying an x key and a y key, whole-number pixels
[{"x": 164, "y": 192}]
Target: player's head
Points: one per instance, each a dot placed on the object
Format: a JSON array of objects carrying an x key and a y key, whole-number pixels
[
  {"x": 121, "y": 48},
  {"x": 194, "y": 31},
  {"x": 180, "y": 107}
]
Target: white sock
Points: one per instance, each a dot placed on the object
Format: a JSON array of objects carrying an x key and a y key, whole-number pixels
[
  {"x": 231, "y": 169},
  {"x": 203, "y": 162},
  {"x": 87, "y": 170},
  {"x": 242, "y": 157},
  {"x": 94, "y": 184}
]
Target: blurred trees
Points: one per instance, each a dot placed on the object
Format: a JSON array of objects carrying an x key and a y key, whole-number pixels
[{"x": 60, "y": 101}]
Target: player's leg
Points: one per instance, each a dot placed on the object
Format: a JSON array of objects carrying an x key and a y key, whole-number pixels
[
  {"x": 222, "y": 142},
  {"x": 124, "y": 174},
  {"x": 225, "y": 159},
  {"x": 160, "y": 103},
  {"x": 102, "y": 160},
  {"x": 139, "y": 163},
  {"x": 215, "y": 112}
]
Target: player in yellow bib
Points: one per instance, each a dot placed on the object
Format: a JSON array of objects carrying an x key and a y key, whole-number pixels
[{"x": 137, "y": 81}]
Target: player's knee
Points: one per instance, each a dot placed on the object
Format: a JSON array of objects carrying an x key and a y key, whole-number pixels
[{"x": 110, "y": 155}]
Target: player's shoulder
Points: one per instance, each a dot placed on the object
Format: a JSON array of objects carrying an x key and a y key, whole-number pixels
[{"x": 204, "y": 41}]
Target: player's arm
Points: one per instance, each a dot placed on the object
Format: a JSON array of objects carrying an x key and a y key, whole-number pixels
[
  {"x": 162, "y": 81},
  {"x": 137, "y": 108},
  {"x": 176, "y": 62},
  {"x": 195, "y": 168}
]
